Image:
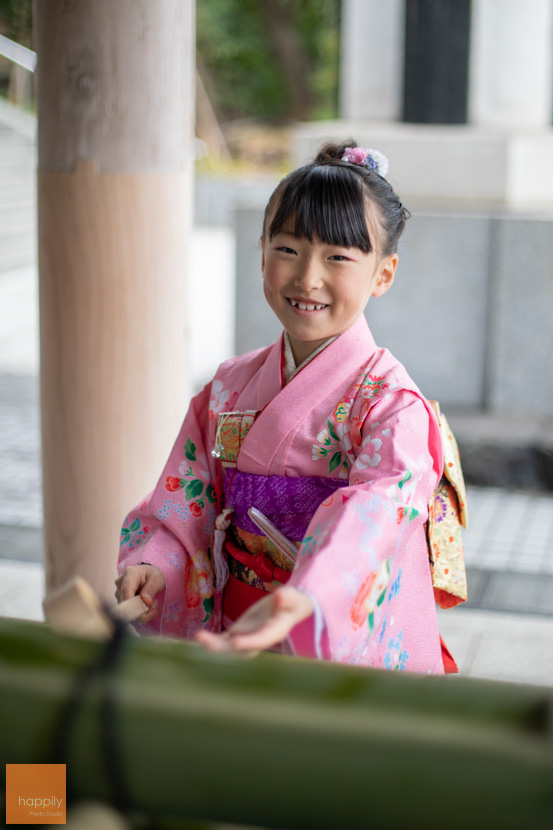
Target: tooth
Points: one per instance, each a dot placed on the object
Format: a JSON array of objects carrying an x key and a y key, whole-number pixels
[
  {"x": 319, "y": 307},
  {"x": 303, "y": 306}
]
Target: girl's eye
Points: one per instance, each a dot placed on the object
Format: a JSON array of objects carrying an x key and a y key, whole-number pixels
[
  {"x": 286, "y": 250},
  {"x": 339, "y": 258}
]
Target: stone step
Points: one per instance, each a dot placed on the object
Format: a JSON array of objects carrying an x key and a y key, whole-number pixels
[
  {"x": 16, "y": 213},
  {"x": 12, "y": 137},
  {"x": 18, "y": 162},
  {"x": 20, "y": 171},
  {"x": 14, "y": 119},
  {"x": 14, "y": 152},
  {"x": 20, "y": 253},
  {"x": 502, "y": 451},
  {"x": 14, "y": 192},
  {"x": 15, "y": 229},
  {"x": 17, "y": 236}
]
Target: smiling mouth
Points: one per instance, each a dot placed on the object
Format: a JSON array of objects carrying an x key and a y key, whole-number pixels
[{"x": 306, "y": 306}]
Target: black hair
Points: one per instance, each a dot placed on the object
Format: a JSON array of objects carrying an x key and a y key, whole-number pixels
[{"x": 329, "y": 198}]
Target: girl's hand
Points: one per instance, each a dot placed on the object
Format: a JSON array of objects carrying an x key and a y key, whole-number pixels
[
  {"x": 146, "y": 580},
  {"x": 262, "y": 626}
]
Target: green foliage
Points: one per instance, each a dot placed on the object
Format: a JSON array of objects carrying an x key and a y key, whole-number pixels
[
  {"x": 16, "y": 18},
  {"x": 245, "y": 73},
  {"x": 242, "y": 69},
  {"x": 233, "y": 54},
  {"x": 319, "y": 27}
]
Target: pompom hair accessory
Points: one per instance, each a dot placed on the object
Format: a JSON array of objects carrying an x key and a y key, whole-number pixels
[{"x": 371, "y": 159}]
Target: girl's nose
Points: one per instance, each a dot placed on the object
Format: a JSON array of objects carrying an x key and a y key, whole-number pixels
[{"x": 308, "y": 276}]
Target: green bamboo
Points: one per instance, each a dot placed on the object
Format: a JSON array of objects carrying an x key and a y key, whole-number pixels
[{"x": 281, "y": 742}]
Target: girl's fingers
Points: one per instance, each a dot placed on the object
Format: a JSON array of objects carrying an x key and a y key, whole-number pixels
[
  {"x": 222, "y": 644},
  {"x": 297, "y": 602},
  {"x": 272, "y": 632},
  {"x": 272, "y": 618},
  {"x": 154, "y": 583},
  {"x": 213, "y": 642},
  {"x": 130, "y": 584},
  {"x": 249, "y": 635},
  {"x": 146, "y": 580},
  {"x": 252, "y": 644},
  {"x": 149, "y": 615},
  {"x": 262, "y": 626}
]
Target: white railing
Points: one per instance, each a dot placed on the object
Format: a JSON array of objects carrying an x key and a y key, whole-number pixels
[
  {"x": 23, "y": 60},
  {"x": 18, "y": 54}
]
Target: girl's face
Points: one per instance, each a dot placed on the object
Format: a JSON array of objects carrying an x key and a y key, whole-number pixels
[{"x": 318, "y": 290}]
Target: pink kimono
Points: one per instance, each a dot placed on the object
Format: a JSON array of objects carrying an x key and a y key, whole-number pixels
[{"x": 364, "y": 446}]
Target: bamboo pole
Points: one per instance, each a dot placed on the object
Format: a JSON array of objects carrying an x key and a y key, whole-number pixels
[
  {"x": 281, "y": 742},
  {"x": 115, "y": 105}
]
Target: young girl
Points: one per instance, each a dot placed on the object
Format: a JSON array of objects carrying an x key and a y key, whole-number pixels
[{"x": 325, "y": 434}]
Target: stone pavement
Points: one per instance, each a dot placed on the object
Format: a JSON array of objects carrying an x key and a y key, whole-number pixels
[{"x": 504, "y": 632}]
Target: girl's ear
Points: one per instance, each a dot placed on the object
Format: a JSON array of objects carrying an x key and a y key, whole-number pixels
[
  {"x": 385, "y": 275},
  {"x": 262, "y": 241}
]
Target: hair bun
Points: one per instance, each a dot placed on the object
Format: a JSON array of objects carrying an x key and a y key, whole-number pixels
[{"x": 334, "y": 152}]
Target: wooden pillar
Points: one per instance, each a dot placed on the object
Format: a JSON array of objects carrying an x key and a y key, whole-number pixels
[{"x": 115, "y": 104}]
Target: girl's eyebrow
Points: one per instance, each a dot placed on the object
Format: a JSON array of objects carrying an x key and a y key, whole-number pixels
[{"x": 286, "y": 233}]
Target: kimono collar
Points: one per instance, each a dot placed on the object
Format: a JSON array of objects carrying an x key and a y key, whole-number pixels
[
  {"x": 265, "y": 448},
  {"x": 290, "y": 368}
]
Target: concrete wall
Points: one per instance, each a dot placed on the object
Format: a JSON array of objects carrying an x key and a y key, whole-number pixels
[
  {"x": 434, "y": 318},
  {"x": 521, "y": 338},
  {"x": 256, "y": 325},
  {"x": 470, "y": 314}
]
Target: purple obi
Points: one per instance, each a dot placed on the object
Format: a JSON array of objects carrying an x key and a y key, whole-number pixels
[{"x": 289, "y": 502}]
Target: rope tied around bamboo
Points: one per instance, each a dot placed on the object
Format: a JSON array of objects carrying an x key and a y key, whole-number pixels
[{"x": 104, "y": 668}]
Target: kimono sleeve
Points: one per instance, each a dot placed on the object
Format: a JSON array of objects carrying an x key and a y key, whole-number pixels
[
  {"x": 364, "y": 559},
  {"x": 172, "y": 529}
]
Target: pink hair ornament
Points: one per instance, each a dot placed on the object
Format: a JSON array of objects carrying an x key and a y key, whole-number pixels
[{"x": 371, "y": 159}]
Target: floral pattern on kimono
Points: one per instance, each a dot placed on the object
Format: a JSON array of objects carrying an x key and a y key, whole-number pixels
[
  {"x": 353, "y": 414},
  {"x": 173, "y": 527},
  {"x": 375, "y": 534},
  {"x": 180, "y": 514}
]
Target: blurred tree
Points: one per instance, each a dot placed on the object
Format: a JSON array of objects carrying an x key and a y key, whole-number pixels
[
  {"x": 16, "y": 18},
  {"x": 275, "y": 60}
]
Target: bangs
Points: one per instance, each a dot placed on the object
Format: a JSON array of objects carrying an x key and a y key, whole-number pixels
[{"x": 326, "y": 201}]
